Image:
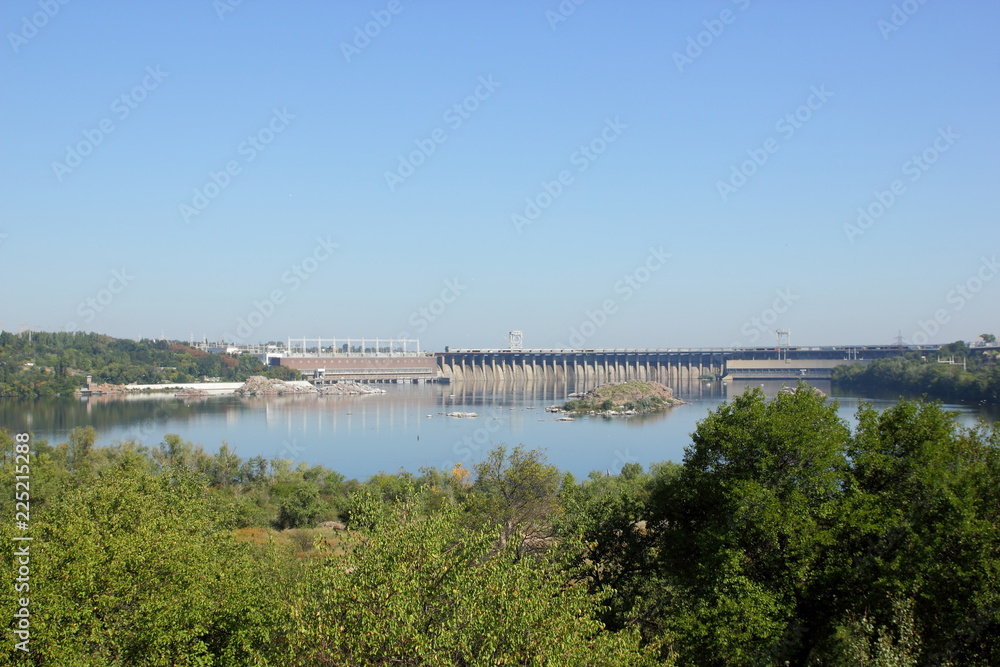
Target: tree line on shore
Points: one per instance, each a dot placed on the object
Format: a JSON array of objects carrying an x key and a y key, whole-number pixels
[
  {"x": 955, "y": 373},
  {"x": 50, "y": 364},
  {"x": 785, "y": 537}
]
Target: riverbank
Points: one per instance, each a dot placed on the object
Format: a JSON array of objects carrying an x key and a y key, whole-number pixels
[
  {"x": 254, "y": 386},
  {"x": 977, "y": 380}
]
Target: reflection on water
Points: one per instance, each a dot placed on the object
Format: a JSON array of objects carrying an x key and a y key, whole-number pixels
[
  {"x": 553, "y": 392},
  {"x": 406, "y": 427},
  {"x": 968, "y": 414}
]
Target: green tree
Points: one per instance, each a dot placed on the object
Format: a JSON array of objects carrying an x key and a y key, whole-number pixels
[
  {"x": 748, "y": 524},
  {"x": 299, "y": 504},
  {"x": 518, "y": 493},
  {"x": 224, "y": 467},
  {"x": 175, "y": 452},
  {"x": 80, "y": 456},
  {"x": 604, "y": 530},
  {"x": 922, "y": 522}
]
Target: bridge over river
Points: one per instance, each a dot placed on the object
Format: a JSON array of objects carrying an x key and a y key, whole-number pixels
[{"x": 666, "y": 365}]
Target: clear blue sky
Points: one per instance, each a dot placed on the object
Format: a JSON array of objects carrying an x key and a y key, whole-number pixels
[{"x": 752, "y": 247}]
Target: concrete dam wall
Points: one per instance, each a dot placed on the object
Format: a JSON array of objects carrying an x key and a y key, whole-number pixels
[{"x": 579, "y": 366}]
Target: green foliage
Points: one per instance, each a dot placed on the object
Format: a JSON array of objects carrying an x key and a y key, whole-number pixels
[
  {"x": 749, "y": 520},
  {"x": 864, "y": 645},
  {"x": 518, "y": 494},
  {"x": 980, "y": 382},
  {"x": 300, "y": 504},
  {"x": 130, "y": 569},
  {"x": 608, "y": 544},
  {"x": 921, "y": 520},
  {"x": 429, "y": 590},
  {"x": 786, "y": 538},
  {"x": 277, "y": 372},
  {"x": 81, "y": 441}
]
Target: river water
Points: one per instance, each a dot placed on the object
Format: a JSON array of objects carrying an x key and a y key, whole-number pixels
[{"x": 404, "y": 428}]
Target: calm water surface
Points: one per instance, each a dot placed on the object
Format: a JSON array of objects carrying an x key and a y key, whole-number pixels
[{"x": 404, "y": 428}]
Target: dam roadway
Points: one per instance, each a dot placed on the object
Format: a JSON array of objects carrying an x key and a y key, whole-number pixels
[{"x": 667, "y": 365}]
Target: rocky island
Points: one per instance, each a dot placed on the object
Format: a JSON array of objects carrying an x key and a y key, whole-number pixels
[{"x": 621, "y": 398}]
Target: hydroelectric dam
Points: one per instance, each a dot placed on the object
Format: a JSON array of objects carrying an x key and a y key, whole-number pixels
[
  {"x": 326, "y": 361},
  {"x": 669, "y": 366}
]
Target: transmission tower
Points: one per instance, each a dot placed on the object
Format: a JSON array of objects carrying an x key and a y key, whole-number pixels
[
  {"x": 784, "y": 338},
  {"x": 899, "y": 342},
  {"x": 516, "y": 340}
]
